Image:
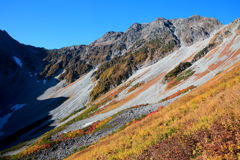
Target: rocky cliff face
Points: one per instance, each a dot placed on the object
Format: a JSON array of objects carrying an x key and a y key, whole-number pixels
[
  {"x": 161, "y": 33},
  {"x": 186, "y": 31},
  {"x": 195, "y": 28}
]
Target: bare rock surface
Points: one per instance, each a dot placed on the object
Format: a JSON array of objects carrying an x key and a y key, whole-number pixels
[{"x": 68, "y": 147}]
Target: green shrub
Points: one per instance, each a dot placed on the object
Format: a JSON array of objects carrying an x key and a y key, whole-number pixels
[
  {"x": 203, "y": 52},
  {"x": 177, "y": 70}
]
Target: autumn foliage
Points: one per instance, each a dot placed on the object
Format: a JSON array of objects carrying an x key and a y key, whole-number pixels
[
  {"x": 182, "y": 91},
  {"x": 203, "y": 124}
]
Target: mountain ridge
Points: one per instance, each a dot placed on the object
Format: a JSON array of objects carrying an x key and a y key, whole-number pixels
[{"x": 100, "y": 87}]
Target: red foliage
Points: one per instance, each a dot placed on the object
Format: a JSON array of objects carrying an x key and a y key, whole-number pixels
[
  {"x": 179, "y": 93},
  {"x": 91, "y": 128},
  {"x": 151, "y": 113}
]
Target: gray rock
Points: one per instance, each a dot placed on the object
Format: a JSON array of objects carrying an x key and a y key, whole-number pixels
[{"x": 68, "y": 147}]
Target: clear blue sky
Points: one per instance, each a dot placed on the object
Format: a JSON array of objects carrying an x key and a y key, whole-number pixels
[{"x": 59, "y": 23}]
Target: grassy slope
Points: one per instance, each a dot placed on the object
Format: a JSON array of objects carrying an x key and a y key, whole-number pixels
[{"x": 210, "y": 112}]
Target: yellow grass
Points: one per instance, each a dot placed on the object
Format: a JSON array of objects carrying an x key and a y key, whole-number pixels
[{"x": 199, "y": 109}]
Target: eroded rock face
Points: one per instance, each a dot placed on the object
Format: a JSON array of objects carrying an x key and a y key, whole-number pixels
[
  {"x": 188, "y": 30},
  {"x": 195, "y": 28},
  {"x": 108, "y": 38},
  {"x": 164, "y": 33}
]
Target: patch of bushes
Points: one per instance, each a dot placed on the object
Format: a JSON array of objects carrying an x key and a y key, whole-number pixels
[
  {"x": 203, "y": 52},
  {"x": 176, "y": 71},
  {"x": 227, "y": 32},
  {"x": 182, "y": 76}
]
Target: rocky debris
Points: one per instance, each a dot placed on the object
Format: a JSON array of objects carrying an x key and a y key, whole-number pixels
[{"x": 69, "y": 146}]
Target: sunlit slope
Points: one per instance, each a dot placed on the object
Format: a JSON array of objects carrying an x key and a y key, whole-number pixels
[
  {"x": 203, "y": 124},
  {"x": 82, "y": 120}
]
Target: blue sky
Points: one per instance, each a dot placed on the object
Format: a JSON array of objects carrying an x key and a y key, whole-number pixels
[{"x": 59, "y": 23}]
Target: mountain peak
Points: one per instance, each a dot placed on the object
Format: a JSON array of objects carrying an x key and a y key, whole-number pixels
[
  {"x": 4, "y": 35},
  {"x": 160, "y": 19},
  {"x": 108, "y": 38}
]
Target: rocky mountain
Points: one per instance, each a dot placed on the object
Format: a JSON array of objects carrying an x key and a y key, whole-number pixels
[
  {"x": 63, "y": 100},
  {"x": 16, "y": 61},
  {"x": 160, "y": 36}
]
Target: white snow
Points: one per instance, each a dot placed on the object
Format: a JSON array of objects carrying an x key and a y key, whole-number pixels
[
  {"x": 4, "y": 119},
  {"x": 57, "y": 77},
  {"x": 18, "y": 61},
  {"x": 87, "y": 124},
  {"x": 17, "y": 107}
]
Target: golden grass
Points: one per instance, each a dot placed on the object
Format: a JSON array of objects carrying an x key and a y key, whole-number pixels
[
  {"x": 197, "y": 110},
  {"x": 135, "y": 87}
]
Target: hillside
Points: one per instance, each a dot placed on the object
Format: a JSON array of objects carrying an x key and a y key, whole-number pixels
[
  {"x": 203, "y": 124},
  {"x": 156, "y": 87}
]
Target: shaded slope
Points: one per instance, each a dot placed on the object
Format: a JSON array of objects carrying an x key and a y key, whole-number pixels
[{"x": 17, "y": 61}]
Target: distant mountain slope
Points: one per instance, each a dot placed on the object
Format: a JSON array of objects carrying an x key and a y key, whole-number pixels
[{"x": 16, "y": 60}]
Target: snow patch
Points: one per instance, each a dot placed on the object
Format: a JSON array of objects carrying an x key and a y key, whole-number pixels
[
  {"x": 17, "y": 107},
  {"x": 4, "y": 119},
  {"x": 18, "y": 61},
  {"x": 87, "y": 124}
]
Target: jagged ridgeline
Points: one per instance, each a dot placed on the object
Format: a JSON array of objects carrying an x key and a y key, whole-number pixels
[
  {"x": 119, "y": 54},
  {"x": 60, "y": 101}
]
